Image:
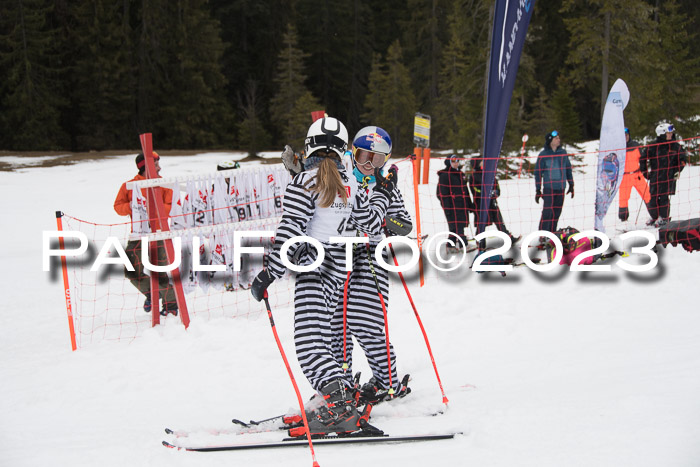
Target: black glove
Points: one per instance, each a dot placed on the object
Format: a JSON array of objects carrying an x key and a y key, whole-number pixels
[
  {"x": 398, "y": 226},
  {"x": 538, "y": 196},
  {"x": 645, "y": 174},
  {"x": 571, "y": 190},
  {"x": 260, "y": 284},
  {"x": 385, "y": 185}
]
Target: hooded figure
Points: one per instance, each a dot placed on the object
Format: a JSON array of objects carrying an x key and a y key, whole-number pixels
[
  {"x": 454, "y": 198},
  {"x": 494, "y": 212}
]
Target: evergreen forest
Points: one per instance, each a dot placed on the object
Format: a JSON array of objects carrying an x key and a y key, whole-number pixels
[{"x": 80, "y": 75}]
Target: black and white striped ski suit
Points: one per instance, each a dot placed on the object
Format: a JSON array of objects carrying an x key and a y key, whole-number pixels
[
  {"x": 365, "y": 316},
  {"x": 317, "y": 292}
]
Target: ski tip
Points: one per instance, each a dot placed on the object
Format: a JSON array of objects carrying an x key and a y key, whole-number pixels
[
  {"x": 169, "y": 431},
  {"x": 168, "y": 445}
]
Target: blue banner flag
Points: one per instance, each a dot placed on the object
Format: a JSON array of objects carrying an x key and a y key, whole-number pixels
[{"x": 510, "y": 21}]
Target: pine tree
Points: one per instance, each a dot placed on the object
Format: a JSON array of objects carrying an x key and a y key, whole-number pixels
[
  {"x": 678, "y": 70},
  {"x": 424, "y": 34},
  {"x": 103, "y": 75},
  {"x": 565, "y": 116},
  {"x": 291, "y": 106},
  {"x": 195, "y": 112},
  {"x": 252, "y": 135},
  {"x": 31, "y": 94},
  {"x": 181, "y": 96},
  {"x": 608, "y": 39},
  {"x": 539, "y": 120},
  {"x": 390, "y": 103},
  {"x": 322, "y": 30},
  {"x": 462, "y": 76},
  {"x": 452, "y": 86}
]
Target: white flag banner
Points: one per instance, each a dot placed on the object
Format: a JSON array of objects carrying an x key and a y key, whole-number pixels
[{"x": 611, "y": 155}]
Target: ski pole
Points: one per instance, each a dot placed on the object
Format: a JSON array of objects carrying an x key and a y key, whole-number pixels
[
  {"x": 646, "y": 187},
  {"x": 291, "y": 376},
  {"x": 420, "y": 323},
  {"x": 386, "y": 320},
  {"x": 345, "y": 324}
]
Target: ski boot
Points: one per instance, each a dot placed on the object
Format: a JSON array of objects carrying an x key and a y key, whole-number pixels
[
  {"x": 336, "y": 412},
  {"x": 147, "y": 305},
  {"x": 453, "y": 249},
  {"x": 372, "y": 393},
  {"x": 662, "y": 222},
  {"x": 513, "y": 238},
  {"x": 169, "y": 309}
]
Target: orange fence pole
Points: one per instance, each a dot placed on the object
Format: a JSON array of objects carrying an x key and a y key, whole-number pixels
[
  {"x": 419, "y": 237},
  {"x": 66, "y": 286},
  {"x": 426, "y": 165}
]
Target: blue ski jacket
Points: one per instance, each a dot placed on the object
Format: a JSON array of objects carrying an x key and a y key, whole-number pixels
[{"x": 553, "y": 170}]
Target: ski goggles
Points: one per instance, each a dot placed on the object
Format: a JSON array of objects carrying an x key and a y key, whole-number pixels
[
  {"x": 327, "y": 141},
  {"x": 670, "y": 129},
  {"x": 375, "y": 159},
  {"x": 554, "y": 134},
  {"x": 627, "y": 131}
]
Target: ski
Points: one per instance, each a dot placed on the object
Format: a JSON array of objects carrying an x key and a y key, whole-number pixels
[
  {"x": 293, "y": 442},
  {"x": 281, "y": 422}
]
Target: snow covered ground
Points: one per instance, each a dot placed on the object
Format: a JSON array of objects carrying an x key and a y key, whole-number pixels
[{"x": 541, "y": 369}]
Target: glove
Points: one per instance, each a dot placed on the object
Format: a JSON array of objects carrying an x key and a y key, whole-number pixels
[
  {"x": 291, "y": 161},
  {"x": 571, "y": 190},
  {"x": 385, "y": 185},
  {"x": 538, "y": 196},
  {"x": 645, "y": 174},
  {"x": 398, "y": 226},
  {"x": 260, "y": 284}
]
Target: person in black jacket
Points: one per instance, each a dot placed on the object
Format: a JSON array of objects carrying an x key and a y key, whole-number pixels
[
  {"x": 661, "y": 165},
  {"x": 454, "y": 198},
  {"x": 494, "y": 212}
]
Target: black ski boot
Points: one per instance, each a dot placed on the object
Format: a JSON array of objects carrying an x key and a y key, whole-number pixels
[
  {"x": 336, "y": 413},
  {"x": 372, "y": 393}
]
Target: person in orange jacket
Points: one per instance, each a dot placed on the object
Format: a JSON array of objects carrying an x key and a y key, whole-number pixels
[
  {"x": 124, "y": 205},
  {"x": 632, "y": 178}
]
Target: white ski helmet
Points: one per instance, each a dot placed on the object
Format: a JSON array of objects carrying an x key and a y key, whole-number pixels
[
  {"x": 663, "y": 128},
  {"x": 327, "y": 134}
]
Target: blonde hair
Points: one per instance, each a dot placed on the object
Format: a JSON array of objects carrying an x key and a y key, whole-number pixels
[{"x": 328, "y": 182}]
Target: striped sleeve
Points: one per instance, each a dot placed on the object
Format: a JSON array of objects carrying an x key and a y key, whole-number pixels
[
  {"x": 297, "y": 209},
  {"x": 369, "y": 211},
  {"x": 397, "y": 208}
]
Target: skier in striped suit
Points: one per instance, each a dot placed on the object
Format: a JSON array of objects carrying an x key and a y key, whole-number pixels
[
  {"x": 322, "y": 202},
  {"x": 362, "y": 315}
]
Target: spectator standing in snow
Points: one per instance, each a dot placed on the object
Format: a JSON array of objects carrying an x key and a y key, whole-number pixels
[
  {"x": 454, "y": 198},
  {"x": 662, "y": 165},
  {"x": 552, "y": 172},
  {"x": 632, "y": 178},
  {"x": 126, "y": 204},
  {"x": 494, "y": 212}
]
